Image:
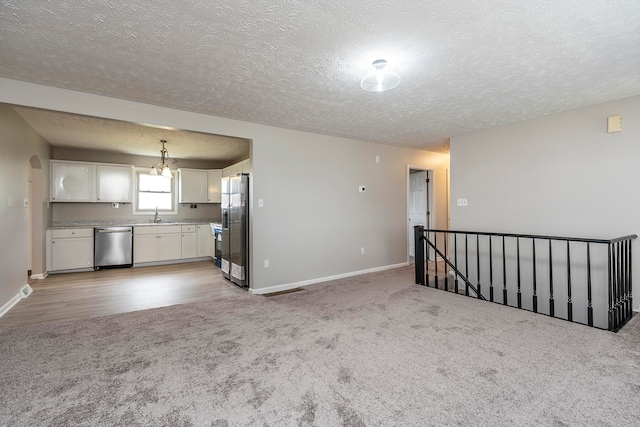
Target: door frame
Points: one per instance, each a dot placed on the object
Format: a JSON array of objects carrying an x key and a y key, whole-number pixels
[{"x": 431, "y": 202}]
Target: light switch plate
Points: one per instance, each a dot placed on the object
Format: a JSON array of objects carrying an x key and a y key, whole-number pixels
[
  {"x": 260, "y": 203},
  {"x": 362, "y": 189},
  {"x": 462, "y": 202}
]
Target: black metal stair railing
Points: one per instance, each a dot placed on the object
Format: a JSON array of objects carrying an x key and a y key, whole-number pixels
[{"x": 549, "y": 275}]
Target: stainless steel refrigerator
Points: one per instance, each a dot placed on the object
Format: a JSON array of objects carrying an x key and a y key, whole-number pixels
[{"x": 235, "y": 229}]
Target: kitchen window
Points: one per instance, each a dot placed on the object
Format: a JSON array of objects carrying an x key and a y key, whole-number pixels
[{"x": 154, "y": 191}]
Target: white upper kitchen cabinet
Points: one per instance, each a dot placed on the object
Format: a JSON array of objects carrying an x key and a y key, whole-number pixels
[
  {"x": 199, "y": 185},
  {"x": 71, "y": 182},
  {"x": 215, "y": 183},
  {"x": 114, "y": 183},
  {"x": 194, "y": 186}
]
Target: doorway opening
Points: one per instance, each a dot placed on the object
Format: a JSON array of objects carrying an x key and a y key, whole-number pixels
[
  {"x": 420, "y": 203},
  {"x": 37, "y": 192}
]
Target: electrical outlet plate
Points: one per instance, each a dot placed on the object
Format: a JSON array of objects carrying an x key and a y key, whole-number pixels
[
  {"x": 362, "y": 250},
  {"x": 25, "y": 291}
]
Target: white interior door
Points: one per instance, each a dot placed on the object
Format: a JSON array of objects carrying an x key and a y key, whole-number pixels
[{"x": 418, "y": 204}]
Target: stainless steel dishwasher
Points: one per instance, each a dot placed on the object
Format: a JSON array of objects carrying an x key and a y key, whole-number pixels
[{"x": 112, "y": 247}]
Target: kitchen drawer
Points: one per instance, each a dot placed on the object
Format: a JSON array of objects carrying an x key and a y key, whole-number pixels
[
  {"x": 188, "y": 228},
  {"x": 72, "y": 232},
  {"x": 157, "y": 229}
]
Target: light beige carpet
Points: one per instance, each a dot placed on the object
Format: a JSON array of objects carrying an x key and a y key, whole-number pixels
[{"x": 370, "y": 350}]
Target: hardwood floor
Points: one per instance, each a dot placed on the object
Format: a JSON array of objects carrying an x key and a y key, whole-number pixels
[{"x": 96, "y": 293}]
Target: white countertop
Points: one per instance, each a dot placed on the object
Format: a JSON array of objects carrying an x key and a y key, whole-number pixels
[{"x": 127, "y": 223}]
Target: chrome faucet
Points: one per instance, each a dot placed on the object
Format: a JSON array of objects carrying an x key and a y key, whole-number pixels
[{"x": 156, "y": 218}]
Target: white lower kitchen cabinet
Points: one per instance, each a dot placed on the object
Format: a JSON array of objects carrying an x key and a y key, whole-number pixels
[
  {"x": 70, "y": 249},
  {"x": 169, "y": 247},
  {"x": 157, "y": 243},
  {"x": 204, "y": 241},
  {"x": 189, "y": 242}
]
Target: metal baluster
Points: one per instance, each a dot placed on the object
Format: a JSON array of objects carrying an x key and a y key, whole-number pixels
[
  {"x": 627, "y": 291},
  {"x": 479, "y": 288},
  {"x": 589, "y": 303},
  {"x": 569, "y": 303},
  {"x": 466, "y": 264},
  {"x": 490, "y": 271},
  {"x": 551, "y": 301},
  {"x": 435, "y": 258},
  {"x": 426, "y": 248},
  {"x": 610, "y": 280},
  {"x": 518, "y": 264},
  {"x": 455, "y": 251},
  {"x": 619, "y": 288},
  {"x": 630, "y": 286},
  {"x": 614, "y": 290},
  {"x": 504, "y": 274},
  {"x": 535, "y": 285},
  {"x": 446, "y": 276}
]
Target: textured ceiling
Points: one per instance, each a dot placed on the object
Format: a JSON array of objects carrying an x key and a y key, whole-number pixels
[
  {"x": 91, "y": 133},
  {"x": 465, "y": 64}
]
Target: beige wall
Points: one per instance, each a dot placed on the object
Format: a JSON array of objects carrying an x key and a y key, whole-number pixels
[
  {"x": 314, "y": 221},
  {"x": 18, "y": 143},
  {"x": 561, "y": 174}
]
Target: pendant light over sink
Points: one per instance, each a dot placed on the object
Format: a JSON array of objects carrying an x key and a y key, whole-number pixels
[
  {"x": 162, "y": 167},
  {"x": 380, "y": 76}
]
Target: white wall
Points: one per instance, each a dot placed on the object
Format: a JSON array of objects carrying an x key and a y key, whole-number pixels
[
  {"x": 18, "y": 143},
  {"x": 561, "y": 174},
  {"x": 314, "y": 220}
]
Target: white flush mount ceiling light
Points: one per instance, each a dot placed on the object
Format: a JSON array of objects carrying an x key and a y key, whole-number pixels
[
  {"x": 162, "y": 167},
  {"x": 380, "y": 77}
]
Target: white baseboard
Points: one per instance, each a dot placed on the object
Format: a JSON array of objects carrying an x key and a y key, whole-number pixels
[
  {"x": 288, "y": 286},
  {"x": 9, "y": 305},
  {"x": 39, "y": 276}
]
